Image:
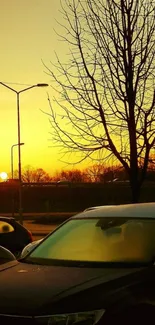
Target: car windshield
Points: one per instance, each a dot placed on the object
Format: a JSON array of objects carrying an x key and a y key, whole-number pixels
[{"x": 98, "y": 240}]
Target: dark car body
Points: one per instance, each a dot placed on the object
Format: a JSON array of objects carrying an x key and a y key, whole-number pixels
[
  {"x": 32, "y": 291},
  {"x": 41, "y": 290},
  {"x": 13, "y": 236}
]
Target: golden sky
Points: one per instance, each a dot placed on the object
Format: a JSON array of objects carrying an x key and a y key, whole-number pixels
[{"x": 27, "y": 37}]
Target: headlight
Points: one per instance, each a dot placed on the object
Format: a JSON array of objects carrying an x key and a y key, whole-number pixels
[{"x": 86, "y": 318}]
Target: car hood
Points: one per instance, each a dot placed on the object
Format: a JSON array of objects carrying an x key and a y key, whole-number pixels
[{"x": 27, "y": 289}]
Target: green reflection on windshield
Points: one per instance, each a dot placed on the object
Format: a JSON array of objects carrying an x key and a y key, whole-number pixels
[{"x": 100, "y": 240}]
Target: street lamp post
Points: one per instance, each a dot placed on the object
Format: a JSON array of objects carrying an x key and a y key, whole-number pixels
[
  {"x": 19, "y": 151},
  {"x": 14, "y": 145}
]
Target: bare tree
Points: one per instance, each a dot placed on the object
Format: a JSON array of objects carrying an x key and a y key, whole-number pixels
[
  {"x": 38, "y": 175},
  {"x": 96, "y": 172},
  {"x": 74, "y": 175},
  {"x": 107, "y": 90}
]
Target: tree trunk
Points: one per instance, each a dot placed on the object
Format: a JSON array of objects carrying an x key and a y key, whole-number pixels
[{"x": 135, "y": 190}]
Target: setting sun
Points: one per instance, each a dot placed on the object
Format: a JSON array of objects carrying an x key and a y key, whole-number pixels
[{"x": 3, "y": 175}]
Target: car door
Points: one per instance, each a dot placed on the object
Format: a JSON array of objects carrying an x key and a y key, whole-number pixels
[{"x": 7, "y": 235}]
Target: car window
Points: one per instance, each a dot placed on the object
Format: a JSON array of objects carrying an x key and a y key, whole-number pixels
[
  {"x": 100, "y": 240},
  {"x": 5, "y": 227}
]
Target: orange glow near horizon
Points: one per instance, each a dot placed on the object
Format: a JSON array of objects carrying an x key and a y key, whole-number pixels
[{"x": 27, "y": 39}]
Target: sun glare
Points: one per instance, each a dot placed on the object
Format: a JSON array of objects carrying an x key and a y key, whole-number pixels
[{"x": 3, "y": 175}]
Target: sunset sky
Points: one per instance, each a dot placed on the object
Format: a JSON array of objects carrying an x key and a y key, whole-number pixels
[{"x": 27, "y": 39}]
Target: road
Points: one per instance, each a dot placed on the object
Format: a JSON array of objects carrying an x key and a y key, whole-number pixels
[{"x": 38, "y": 230}]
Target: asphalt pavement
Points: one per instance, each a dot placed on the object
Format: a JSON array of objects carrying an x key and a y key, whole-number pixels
[{"x": 38, "y": 230}]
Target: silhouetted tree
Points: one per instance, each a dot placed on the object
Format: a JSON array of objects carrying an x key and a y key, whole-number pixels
[
  {"x": 107, "y": 92},
  {"x": 38, "y": 175},
  {"x": 96, "y": 172},
  {"x": 74, "y": 175},
  {"x": 103, "y": 173}
]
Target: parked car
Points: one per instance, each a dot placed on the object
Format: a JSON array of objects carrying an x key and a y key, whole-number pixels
[
  {"x": 32, "y": 245},
  {"x": 13, "y": 235},
  {"x": 28, "y": 248},
  {"x": 96, "y": 268}
]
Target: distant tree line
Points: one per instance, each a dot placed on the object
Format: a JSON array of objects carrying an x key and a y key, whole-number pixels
[{"x": 95, "y": 173}]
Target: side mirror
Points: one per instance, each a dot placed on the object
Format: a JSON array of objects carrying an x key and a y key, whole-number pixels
[
  {"x": 5, "y": 255},
  {"x": 27, "y": 249}
]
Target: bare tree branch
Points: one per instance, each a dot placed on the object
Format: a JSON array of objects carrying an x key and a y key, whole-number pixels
[{"x": 105, "y": 93}]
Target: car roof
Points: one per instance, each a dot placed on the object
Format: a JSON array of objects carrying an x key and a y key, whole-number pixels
[
  {"x": 7, "y": 218},
  {"x": 138, "y": 210},
  {"x": 96, "y": 207}
]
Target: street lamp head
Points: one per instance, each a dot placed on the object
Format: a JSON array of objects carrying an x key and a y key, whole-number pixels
[
  {"x": 42, "y": 85},
  {"x": 21, "y": 143}
]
